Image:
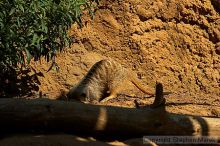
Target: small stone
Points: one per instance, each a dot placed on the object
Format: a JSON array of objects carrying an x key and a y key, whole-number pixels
[{"x": 217, "y": 48}]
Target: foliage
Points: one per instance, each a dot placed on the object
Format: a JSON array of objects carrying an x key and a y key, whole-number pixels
[{"x": 35, "y": 28}]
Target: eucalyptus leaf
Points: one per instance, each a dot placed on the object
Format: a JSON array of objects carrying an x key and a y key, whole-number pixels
[
  {"x": 28, "y": 55},
  {"x": 34, "y": 40},
  {"x": 12, "y": 11},
  {"x": 21, "y": 8}
]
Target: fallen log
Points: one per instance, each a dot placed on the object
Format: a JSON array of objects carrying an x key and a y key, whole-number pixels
[{"x": 70, "y": 116}]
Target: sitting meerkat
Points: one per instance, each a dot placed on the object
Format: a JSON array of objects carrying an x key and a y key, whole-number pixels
[{"x": 104, "y": 81}]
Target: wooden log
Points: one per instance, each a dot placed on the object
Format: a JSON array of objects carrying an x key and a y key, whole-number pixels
[{"x": 70, "y": 116}]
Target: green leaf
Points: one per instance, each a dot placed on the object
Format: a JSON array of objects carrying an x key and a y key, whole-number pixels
[
  {"x": 2, "y": 25},
  {"x": 35, "y": 37},
  {"x": 21, "y": 8},
  {"x": 45, "y": 29},
  {"x": 18, "y": 22},
  {"x": 11, "y": 11},
  {"x": 28, "y": 55}
]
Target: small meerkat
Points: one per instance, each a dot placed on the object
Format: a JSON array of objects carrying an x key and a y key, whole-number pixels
[{"x": 104, "y": 81}]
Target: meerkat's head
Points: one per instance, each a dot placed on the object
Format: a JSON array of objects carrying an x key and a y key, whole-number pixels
[{"x": 78, "y": 94}]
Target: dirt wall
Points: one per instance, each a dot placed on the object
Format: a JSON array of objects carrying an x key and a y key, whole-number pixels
[{"x": 175, "y": 42}]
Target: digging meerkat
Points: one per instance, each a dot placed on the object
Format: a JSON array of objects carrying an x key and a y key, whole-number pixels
[{"x": 105, "y": 80}]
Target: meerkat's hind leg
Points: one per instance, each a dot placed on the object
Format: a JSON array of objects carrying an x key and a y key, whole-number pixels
[
  {"x": 115, "y": 87},
  {"x": 112, "y": 95}
]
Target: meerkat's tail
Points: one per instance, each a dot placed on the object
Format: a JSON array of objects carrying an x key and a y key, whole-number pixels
[{"x": 139, "y": 85}]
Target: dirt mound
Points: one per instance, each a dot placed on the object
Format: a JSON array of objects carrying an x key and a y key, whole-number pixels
[{"x": 174, "y": 42}]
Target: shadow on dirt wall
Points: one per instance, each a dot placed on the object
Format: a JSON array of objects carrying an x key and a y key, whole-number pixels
[
  {"x": 216, "y": 5},
  {"x": 19, "y": 83}
]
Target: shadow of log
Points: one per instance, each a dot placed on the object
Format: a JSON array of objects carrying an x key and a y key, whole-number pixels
[{"x": 49, "y": 140}]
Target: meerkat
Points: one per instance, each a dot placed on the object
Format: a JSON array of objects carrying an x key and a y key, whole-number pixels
[{"x": 104, "y": 81}]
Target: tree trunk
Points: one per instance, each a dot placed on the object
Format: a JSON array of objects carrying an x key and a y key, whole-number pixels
[{"x": 20, "y": 114}]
